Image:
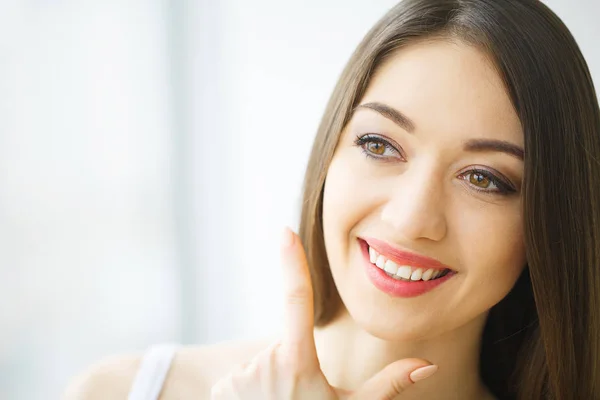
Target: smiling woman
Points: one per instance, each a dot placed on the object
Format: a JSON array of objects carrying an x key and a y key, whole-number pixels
[
  {"x": 451, "y": 222},
  {"x": 423, "y": 189},
  {"x": 481, "y": 131}
]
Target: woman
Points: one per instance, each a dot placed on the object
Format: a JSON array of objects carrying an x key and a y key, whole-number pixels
[{"x": 451, "y": 221}]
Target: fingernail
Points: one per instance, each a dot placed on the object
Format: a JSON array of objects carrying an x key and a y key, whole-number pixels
[
  {"x": 422, "y": 373},
  {"x": 287, "y": 238}
]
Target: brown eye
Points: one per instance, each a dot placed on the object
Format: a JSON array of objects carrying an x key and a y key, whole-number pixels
[
  {"x": 376, "y": 148},
  {"x": 485, "y": 181},
  {"x": 479, "y": 180}
]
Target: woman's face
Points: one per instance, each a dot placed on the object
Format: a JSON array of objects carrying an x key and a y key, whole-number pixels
[{"x": 428, "y": 164}]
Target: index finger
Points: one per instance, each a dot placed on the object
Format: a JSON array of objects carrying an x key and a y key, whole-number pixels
[{"x": 298, "y": 308}]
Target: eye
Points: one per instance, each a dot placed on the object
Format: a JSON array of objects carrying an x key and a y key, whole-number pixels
[
  {"x": 487, "y": 182},
  {"x": 377, "y": 147},
  {"x": 480, "y": 180}
]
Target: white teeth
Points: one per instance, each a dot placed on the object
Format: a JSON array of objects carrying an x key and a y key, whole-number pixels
[
  {"x": 404, "y": 271},
  {"x": 390, "y": 267},
  {"x": 427, "y": 274},
  {"x": 416, "y": 275},
  {"x": 373, "y": 255}
]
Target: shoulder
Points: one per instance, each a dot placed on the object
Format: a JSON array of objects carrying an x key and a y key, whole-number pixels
[
  {"x": 108, "y": 378},
  {"x": 194, "y": 371}
]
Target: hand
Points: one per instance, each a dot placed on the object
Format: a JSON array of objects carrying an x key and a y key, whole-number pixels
[{"x": 289, "y": 369}]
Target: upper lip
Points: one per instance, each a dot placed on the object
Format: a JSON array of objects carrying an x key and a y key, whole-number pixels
[{"x": 403, "y": 257}]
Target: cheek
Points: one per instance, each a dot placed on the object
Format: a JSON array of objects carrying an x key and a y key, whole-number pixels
[
  {"x": 492, "y": 248},
  {"x": 345, "y": 202},
  {"x": 341, "y": 205}
]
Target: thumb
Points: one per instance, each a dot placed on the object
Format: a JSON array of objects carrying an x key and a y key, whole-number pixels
[{"x": 394, "y": 379}]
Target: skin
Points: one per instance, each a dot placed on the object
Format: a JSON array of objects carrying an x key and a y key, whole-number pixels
[{"x": 418, "y": 198}]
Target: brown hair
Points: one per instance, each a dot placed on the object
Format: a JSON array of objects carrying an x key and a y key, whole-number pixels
[{"x": 542, "y": 341}]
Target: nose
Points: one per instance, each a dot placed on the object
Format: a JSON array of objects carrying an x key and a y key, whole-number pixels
[{"x": 415, "y": 206}]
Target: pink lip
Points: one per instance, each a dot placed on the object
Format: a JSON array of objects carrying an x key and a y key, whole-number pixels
[
  {"x": 395, "y": 287},
  {"x": 401, "y": 257}
]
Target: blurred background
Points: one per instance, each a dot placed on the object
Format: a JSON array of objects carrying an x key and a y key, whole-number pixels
[{"x": 150, "y": 153}]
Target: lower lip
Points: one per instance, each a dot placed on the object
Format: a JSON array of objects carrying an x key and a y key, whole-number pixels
[{"x": 395, "y": 287}]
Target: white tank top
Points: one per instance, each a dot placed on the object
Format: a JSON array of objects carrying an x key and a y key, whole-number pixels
[{"x": 150, "y": 378}]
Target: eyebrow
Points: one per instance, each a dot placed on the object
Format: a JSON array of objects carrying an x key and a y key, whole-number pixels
[
  {"x": 473, "y": 145},
  {"x": 482, "y": 145},
  {"x": 390, "y": 113}
]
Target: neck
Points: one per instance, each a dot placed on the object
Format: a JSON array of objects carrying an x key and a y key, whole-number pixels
[{"x": 349, "y": 356}]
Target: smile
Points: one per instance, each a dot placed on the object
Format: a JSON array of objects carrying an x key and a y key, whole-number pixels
[
  {"x": 404, "y": 272},
  {"x": 408, "y": 275}
]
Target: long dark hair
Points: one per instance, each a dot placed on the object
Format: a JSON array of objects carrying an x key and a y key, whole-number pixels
[{"x": 542, "y": 341}]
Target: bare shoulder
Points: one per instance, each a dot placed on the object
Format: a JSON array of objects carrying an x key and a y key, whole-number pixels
[
  {"x": 108, "y": 378},
  {"x": 194, "y": 371}
]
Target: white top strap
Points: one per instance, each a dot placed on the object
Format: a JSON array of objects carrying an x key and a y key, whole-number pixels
[{"x": 154, "y": 367}]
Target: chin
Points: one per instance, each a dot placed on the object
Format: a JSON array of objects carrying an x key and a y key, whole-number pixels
[
  {"x": 383, "y": 317},
  {"x": 394, "y": 326}
]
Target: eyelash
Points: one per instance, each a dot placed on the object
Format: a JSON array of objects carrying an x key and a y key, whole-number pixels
[{"x": 504, "y": 189}]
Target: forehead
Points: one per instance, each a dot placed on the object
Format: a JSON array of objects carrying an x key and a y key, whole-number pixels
[{"x": 446, "y": 88}]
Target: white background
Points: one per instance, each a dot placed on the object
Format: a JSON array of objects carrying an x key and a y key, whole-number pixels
[{"x": 150, "y": 154}]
